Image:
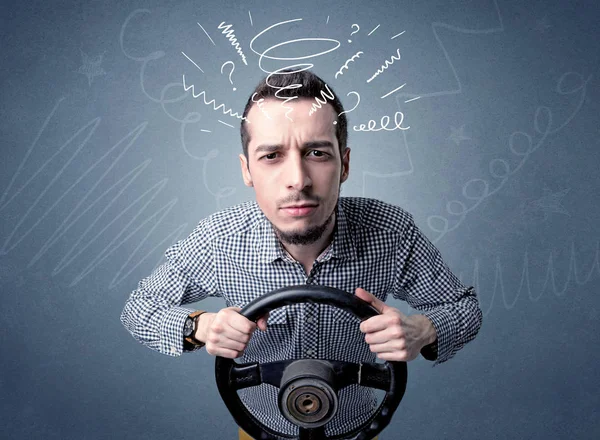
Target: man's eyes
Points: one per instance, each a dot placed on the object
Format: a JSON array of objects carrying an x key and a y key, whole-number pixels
[{"x": 314, "y": 153}]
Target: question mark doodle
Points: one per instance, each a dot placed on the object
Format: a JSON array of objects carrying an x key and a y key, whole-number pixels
[
  {"x": 357, "y": 29},
  {"x": 353, "y": 108},
  {"x": 230, "y": 73}
]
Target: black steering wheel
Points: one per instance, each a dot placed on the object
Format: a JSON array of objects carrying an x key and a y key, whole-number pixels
[{"x": 308, "y": 387}]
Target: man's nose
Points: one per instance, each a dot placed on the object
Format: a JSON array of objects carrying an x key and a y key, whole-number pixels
[{"x": 296, "y": 174}]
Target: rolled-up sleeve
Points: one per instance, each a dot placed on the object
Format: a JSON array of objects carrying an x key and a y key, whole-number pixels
[
  {"x": 153, "y": 314},
  {"x": 427, "y": 284}
]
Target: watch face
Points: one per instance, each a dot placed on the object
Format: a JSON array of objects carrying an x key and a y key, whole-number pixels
[{"x": 188, "y": 328}]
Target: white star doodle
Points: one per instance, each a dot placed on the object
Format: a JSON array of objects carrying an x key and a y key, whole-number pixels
[{"x": 90, "y": 66}]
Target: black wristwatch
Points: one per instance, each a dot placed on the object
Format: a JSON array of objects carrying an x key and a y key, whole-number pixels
[{"x": 190, "y": 327}]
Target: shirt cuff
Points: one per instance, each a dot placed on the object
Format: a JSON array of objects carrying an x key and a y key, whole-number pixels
[
  {"x": 171, "y": 329},
  {"x": 443, "y": 347}
]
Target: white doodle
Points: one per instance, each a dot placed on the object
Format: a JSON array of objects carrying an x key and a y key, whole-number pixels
[
  {"x": 260, "y": 104},
  {"x": 211, "y": 40},
  {"x": 357, "y": 29},
  {"x": 345, "y": 66},
  {"x": 90, "y": 66},
  {"x": 303, "y": 66},
  {"x": 212, "y": 101},
  {"x": 319, "y": 102},
  {"x": 500, "y": 168},
  {"x": 376, "y": 27},
  {"x": 193, "y": 62},
  {"x": 353, "y": 108},
  {"x": 395, "y": 90},
  {"x": 385, "y": 66},
  {"x": 385, "y": 120},
  {"x": 228, "y": 32},
  {"x": 230, "y": 73}
]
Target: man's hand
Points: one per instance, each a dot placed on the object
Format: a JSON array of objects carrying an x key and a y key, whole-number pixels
[
  {"x": 394, "y": 336},
  {"x": 227, "y": 332}
]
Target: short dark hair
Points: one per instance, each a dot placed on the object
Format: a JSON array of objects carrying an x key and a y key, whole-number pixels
[{"x": 312, "y": 86}]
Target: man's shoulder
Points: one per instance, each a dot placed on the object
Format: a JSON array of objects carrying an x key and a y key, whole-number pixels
[
  {"x": 367, "y": 212},
  {"x": 233, "y": 220}
]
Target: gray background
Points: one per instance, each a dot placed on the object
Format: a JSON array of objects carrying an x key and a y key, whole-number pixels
[{"x": 106, "y": 162}]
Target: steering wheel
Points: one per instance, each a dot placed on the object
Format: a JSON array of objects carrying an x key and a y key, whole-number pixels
[{"x": 308, "y": 388}]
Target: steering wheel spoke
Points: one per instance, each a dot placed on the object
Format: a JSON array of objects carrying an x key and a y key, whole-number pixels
[{"x": 244, "y": 375}]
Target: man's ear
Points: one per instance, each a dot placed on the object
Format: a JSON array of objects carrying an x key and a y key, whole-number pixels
[
  {"x": 245, "y": 171},
  {"x": 345, "y": 165}
]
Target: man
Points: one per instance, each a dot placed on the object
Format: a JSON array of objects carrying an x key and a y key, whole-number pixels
[{"x": 300, "y": 231}]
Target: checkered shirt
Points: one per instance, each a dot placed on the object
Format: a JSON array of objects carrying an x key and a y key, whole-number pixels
[{"x": 234, "y": 254}]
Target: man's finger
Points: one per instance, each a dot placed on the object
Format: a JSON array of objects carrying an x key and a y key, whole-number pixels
[
  {"x": 262, "y": 322},
  {"x": 370, "y": 298}
]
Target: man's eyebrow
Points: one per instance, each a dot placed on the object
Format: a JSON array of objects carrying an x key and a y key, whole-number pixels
[{"x": 270, "y": 148}]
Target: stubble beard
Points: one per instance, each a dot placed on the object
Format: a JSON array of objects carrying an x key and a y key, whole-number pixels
[{"x": 304, "y": 237}]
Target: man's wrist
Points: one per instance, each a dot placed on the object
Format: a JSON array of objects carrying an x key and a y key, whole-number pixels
[
  {"x": 429, "y": 349},
  {"x": 201, "y": 327},
  {"x": 190, "y": 333},
  {"x": 429, "y": 332}
]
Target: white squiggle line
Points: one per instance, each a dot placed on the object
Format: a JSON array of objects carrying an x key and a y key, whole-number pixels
[
  {"x": 345, "y": 66},
  {"x": 260, "y": 104},
  {"x": 327, "y": 22},
  {"x": 94, "y": 124},
  {"x": 117, "y": 241},
  {"x": 376, "y": 27},
  {"x": 211, "y": 40},
  {"x": 305, "y": 66},
  {"x": 22, "y": 164},
  {"x": 192, "y": 61},
  {"x": 172, "y": 237},
  {"x": 212, "y": 101},
  {"x": 385, "y": 66},
  {"x": 413, "y": 99},
  {"x": 397, "y": 35},
  {"x": 550, "y": 277},
  {"x": 231, "y": 37},
  {"x": 317, "y": 105},
  {"x": 64, "y": 227},
  {"x": 458, "y": 208},
  {"x": 250, "y": 15},
  {"x": 129, "y": 179},
  {"x": 62, "y": 263}
]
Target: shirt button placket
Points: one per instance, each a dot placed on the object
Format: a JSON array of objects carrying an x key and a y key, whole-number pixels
[{"x": 311, "y": 332}]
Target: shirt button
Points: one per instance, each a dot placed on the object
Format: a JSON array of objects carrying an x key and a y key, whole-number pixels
[
  {"x": 308, "y": 352},
  {"x": 309, "y": 319}
]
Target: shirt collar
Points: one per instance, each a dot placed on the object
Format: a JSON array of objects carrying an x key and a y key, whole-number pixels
[{"x": 269, "y": 247}]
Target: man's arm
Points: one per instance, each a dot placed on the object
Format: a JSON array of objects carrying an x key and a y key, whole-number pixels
[
  {"x": 428, "y": 285},
  {"x": 153, "y": 314}
]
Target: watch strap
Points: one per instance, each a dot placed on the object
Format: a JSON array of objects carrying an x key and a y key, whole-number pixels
[{"x": 195, "y": 317}]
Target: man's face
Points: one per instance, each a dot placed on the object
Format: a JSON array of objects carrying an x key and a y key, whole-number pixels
[{"x": 295, "y": 167}]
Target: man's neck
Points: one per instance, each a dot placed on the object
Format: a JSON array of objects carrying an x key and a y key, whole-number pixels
[{"x": 307, "y": 254}]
